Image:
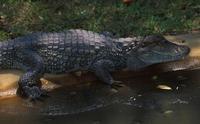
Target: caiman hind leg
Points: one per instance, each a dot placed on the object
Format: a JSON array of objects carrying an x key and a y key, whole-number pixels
[
  {"x": 29, "y": 83},
  {"x": 102, "y": 69}
]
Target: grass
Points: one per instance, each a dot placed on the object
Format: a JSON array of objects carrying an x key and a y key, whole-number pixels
[{"x": 19, "y": 17}]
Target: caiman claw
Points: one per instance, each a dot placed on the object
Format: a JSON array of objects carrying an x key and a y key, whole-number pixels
[
  {"x": 32, "y": 93},
  {"x": 117, "y": 84}
]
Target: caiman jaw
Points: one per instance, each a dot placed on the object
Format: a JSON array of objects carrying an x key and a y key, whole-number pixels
[{"x": 155, "y": 56}]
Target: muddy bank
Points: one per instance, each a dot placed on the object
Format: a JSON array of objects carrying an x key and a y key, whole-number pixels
[{"x": 140, "y": 101}]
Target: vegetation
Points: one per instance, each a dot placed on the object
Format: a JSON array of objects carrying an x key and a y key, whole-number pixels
[{"x": 18, "y": 17}]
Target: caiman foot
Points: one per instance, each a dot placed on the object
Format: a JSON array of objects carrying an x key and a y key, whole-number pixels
[
  {"x": 33, "y": 93},
  {"x": 117, "y": 84}
]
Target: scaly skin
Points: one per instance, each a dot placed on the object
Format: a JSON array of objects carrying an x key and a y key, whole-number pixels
[{"x": 73, "y": 50}]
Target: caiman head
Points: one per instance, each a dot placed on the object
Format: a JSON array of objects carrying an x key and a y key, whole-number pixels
[{"x": 152, "y": 50}]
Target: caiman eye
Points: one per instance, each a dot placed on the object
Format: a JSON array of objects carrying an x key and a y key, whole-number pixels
[{"x": 145, "y": 44}]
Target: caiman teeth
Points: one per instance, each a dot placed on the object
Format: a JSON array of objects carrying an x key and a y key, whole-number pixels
[{"x": 161, "y": 53}]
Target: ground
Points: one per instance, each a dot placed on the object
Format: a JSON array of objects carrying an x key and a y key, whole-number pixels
[
  {"x": 19, "y": 17},
  {"x": 140, "y": 101}
]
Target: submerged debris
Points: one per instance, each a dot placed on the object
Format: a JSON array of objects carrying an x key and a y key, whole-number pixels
[
  {"x": 179, "y": 101},
  {"x": 168, "y": 112},
  {"x": 164, "y": 87}
]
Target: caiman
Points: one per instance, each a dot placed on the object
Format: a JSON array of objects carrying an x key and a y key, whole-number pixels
[{"x": 75, "y": 49}]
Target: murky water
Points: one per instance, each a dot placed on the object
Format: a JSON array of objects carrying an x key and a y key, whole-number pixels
[{"x": 141, "y": 101}]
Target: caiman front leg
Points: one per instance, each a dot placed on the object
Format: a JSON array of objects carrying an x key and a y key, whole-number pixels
[
  {"x": 102, "y": 69},
  {"x": 29, "y": 83}
]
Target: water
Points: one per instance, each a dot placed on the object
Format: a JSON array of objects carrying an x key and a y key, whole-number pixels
[{"x": 141, "y": 101}]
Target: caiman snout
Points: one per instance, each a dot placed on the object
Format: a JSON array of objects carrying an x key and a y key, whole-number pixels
[
  {"x": 186, "y": 50},
  {"x": 182, "y": 51}
]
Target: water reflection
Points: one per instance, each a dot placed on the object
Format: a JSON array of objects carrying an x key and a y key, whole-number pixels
[{"x": 139, "y": 102}]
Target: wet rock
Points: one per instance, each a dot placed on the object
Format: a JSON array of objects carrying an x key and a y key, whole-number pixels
[{"x": 168, "y": 112}]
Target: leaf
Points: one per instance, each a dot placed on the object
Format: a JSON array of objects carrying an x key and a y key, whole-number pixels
[{"x": 164, "y": 87}]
